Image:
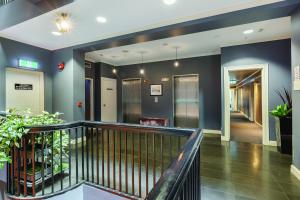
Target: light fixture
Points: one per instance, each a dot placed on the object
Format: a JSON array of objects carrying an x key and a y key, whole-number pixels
[
  {"x": 114, "y": 71},
  {"x": 249, "y": 31},
  {"x": 63, "y": 23},
  {"x": 169, "y": 2},
  {"x": 176, "y": 63},
  {"x": 101, "y": 19},
  {"x": 56, "y": 33},
  {"x": 142, "y": 71}
]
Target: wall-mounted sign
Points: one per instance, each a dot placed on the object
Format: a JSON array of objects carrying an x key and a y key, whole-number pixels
[
  {"x": 19, "y": 86},
  {"x": 28, "y": 64}
]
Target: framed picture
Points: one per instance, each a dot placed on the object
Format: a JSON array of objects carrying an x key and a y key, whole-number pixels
[{"x": 156, "y": 90}]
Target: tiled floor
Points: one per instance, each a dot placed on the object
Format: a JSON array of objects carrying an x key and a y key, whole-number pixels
[
  {"x": 243, "y": 130},
  {"x": 239, "y": 171}
]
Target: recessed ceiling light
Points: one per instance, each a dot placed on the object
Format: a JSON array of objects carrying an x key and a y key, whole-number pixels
[
  {"x": 169, "y": 2},
  {"x": 249, "y": 31},
  {"x": 56, "y": 33},
  {"x": 101, "y": 19}
]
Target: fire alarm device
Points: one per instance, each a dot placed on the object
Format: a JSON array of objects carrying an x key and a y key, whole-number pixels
[
  {"x": 61, "y": 66},
  {"x": 79, "y": 104}
]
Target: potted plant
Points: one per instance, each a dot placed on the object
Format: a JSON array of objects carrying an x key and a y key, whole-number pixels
[
  {"x": 283, "y": 117},
  {"x": 12, "y": 129}
]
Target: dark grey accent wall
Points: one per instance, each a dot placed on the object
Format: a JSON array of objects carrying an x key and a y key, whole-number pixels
[
  {"x": 26, "y": 9},
  {"x": 97, "y": 71},
  {"x": 209, "y": 70},
  {"x": 277, "y": 54},
  {"x": 11, "y": 51},
  {"x": 296, "y": 94}
]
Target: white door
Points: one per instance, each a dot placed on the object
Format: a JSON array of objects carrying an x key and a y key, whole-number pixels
[
  {"x": 25, "y": 90},
  {"x": 108, "y": 100}
]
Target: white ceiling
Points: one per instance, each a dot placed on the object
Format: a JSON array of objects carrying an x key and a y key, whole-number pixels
[
  {"x": 192, "y": 45},
  {"x": 123, "y": 17}
]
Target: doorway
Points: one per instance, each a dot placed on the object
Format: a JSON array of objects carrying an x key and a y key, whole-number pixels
[
  {"x": 109, "y": 100},
  {"x": 25, "y": 90},
  {"x": 246, "y": 104},
  {"x": 89, "y": 99},
  {"x": 186, "y": 101},
  {"x": 131, "y": 100}
]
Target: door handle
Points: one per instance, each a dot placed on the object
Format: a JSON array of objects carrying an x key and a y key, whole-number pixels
[{"x": 104, "y": 105}]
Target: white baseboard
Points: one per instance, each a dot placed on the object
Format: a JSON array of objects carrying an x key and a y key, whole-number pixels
[
  {"x": 295, "y": 171},
  {"x": 208, "y": 131},
  {"x": 272, "y": 143},
  {"x": 224, "y": 138}
]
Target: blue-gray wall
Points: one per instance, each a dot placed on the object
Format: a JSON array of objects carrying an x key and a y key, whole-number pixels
[
  {"x": 296, "y": 94},
  {"x": 209, "y": 70},
  {"x": 68, "y": 85},
  {"x": 277, "y": 54},
  {"x": 11, "y": 51}
]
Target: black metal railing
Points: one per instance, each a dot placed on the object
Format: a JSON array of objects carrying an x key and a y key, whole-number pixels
[
  {"x": 3, "y": 2},
  {"x": 133, "y": 160}
]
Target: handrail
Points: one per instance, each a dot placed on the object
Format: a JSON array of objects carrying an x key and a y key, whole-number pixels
[
  {"x": 43, "y": 128},
  {"x": 168, "y": 186}
]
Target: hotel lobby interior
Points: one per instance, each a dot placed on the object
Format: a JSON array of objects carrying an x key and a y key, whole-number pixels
[{"x": 155, "y": 100}]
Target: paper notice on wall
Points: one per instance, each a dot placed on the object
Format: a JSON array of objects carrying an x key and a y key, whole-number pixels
[{"x": 297, "y": 78}]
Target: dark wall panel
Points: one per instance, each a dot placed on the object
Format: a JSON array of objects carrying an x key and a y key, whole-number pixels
[
  {"x": 209, "y": 71},
  {"x": 277, "y": 54}
]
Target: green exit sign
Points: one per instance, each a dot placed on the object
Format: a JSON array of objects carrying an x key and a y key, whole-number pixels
[{"x": 28, "y": 64}]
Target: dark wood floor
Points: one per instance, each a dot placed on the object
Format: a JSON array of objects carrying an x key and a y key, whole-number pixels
[{"x": 233, "y": 170}]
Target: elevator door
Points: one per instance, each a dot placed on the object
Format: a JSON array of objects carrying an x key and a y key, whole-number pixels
[
  {"x": 186, "y": 101},
  {"x": 131, "y": 100}
]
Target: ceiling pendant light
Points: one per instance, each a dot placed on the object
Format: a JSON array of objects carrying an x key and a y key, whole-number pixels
[
  {"x": 63, "y": 23},
  {"x": 142, "y": 71},
  {"x": 176, "y": 63},
  {"x": 114, "y": 70}
]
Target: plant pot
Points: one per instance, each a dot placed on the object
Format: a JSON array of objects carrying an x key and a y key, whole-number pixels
[{"x": 284, "y": 130}]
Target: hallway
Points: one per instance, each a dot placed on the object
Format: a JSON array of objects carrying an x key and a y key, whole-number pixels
[
  {"x": 243, "y": 130},
  {"x": 243, "y": 171}
]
